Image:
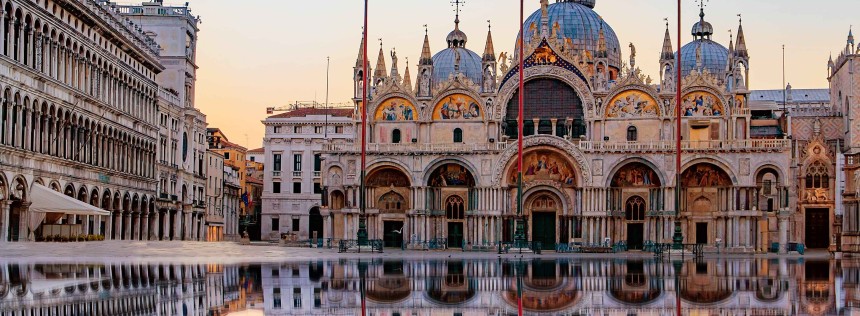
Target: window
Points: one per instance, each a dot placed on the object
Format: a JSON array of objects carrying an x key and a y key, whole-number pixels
[
  {"x": 817, "y": 176},
  {"x": 297, "y": 298},
  {"x": 275, "y": 224},
  {"x": 276, "y": 272},
  {"x": 297, "y": 187},
  {"x": 318, "y": 129},
  {"x": 395, "y": 136},
  {"x": 317, "y": 188},
  {"x": 296, "y": 224},
  {"x": 632, "y": 134},
  {"x": 277, "y": 129},
  {"x": 297, "y": 129},
  {"x": 317, "y": 162},
  {"x": 454, "y": 207},
  {"x": 635, "y": 209},
  {"x": 276, "y": 187},
  {"x": 338, "y": 129},
  {"x": 297, "y": 162},
  {"x": 458, "y": 135},
  {"x": 276, "y": 292},
  {"x": 391, "y": 202},
  {"x": 226, "y": 156},
  {"x": 276, "y": 162}
]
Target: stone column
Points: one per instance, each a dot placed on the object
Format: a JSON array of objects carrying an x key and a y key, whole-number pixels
[
  {"x": 5, "y": 209},
  {"x": 144, "y": 232},
  {"x": 783, "y": 234},
  {"x": 156, "y": 233},
  {"x": 23, "y": 225}
]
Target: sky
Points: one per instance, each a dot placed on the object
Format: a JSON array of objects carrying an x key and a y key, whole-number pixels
[{"x": 255, "y": 54}]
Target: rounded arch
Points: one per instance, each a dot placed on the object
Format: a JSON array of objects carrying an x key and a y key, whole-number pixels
[
  {"x": 544, "y": 164},
  {"x": 395, "y": 108},
  {"x": 70, "y": 190},
  {"x": 392, "y": 202},
  {"x": 391, "y": 165},
  {"x": 572, "y": 79},
  {"x": 631, "y": 102},
  {"x": 703, "y": 101},
  {"x": 705, "y": 174},
  {"x": 457, "y": 104},
  {"x": 19, "y": 188},
  {"x": 507, "y": 159},
  {"x": 440, "y": 162},
  {"x": 717, "y": 161},
  {"x": 532, "y": 193},
  {"x": 771, "y": 167},
  {"x": 636, "y": 163}
]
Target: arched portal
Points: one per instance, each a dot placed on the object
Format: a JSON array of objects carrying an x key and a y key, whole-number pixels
[
  {"x": 634, "y": 215},
  {"x": 315, "y": 224},
  {"x": 543, "y": 208},
  {"x": 389, "y": 191},
  {"x": 547, "y": 99},
  {"x": 452, "y": 194},
  {"x": 704, "y": 190}
]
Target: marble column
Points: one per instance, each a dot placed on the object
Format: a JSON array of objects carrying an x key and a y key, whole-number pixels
[
  {"x": 126, "y": 226},
  {"x": 144, "y": 232},
  {"x": 23, "y": 227},
  {"x": 5, "y": 209},
  {"x": 783, "y": 234}
]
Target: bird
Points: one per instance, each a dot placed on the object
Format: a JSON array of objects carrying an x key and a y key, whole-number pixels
[{"x": 398, "y": 231}]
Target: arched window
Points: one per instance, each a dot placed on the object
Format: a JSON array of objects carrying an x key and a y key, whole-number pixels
[
  {"x": 635, "y": 209},
  {"x": 817, "y": 176},
  {"x": 455, "y": 207},
  {"x": 458, "y": 135},
  {"x": 395, "y": 136},
  {"x": 391, "y": 202},
  {"x": 632, "y": 134}
]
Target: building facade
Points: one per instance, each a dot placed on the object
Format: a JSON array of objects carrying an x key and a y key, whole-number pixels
[
  {"x": 599, "y": 144},
  {"x": 216, "y": 221},
  {"x": 293, "y": 184},
  {"x": 79, "y": 115},
  {"x": 180, "y": 171},
  {"x": 232, "y": 203}
]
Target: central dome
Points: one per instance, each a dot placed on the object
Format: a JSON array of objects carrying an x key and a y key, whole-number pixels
[
  {"x": 713, "y": 55},
  {"x": 579, "y": 23}
]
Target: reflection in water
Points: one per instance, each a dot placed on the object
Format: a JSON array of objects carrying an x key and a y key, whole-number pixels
[{"x": 459, "y": 287}]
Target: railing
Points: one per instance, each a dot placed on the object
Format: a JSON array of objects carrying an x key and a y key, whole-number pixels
[
  {"x": 432, "y": 244},
  {"x": 297, "y": 173},
  {"x": 276, "y": 173},
  {"x": 317, "y": 174},
  {"x": 814, "y": 109},
  {"x": 520, "y": 246},
  {"x": 588, "y": 146},
  {"x": 661, "y": 249},
  {"x": 413, "y": 147},
  {"x": 347, "y": 245}
]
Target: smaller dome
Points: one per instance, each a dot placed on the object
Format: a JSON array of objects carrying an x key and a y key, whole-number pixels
[
  {"x": 457, "y": 38},
  {"x": 702, "y": 29}
]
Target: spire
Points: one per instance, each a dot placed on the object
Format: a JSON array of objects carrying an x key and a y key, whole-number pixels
[
  {"x": 702, "y": 29},
  {"x": 457, "y": 39},
  {"x": 489, "y": 52},
  {"x": 601, "y": 43},
  {"x": 407, "y": 81},
  {"x": 731, "y": 55},
  {"x": 851, "y": 35},
  {"x": 380, "y": 64},
  {"x": 668, "y": 53},
  {"x": 426, "y": 57},
  {"x": 741, "y": 47},
  {"x": 360, "y": 53}
]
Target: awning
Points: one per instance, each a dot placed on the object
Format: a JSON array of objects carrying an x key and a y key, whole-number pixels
[{"x": 46, "y": 200}]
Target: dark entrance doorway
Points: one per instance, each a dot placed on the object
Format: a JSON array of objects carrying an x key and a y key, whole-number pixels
[
  {"x": 701, "y": 233},
  {"x": 455, "y": 235},
  {"x": 543, "y": 229},
  {"x": 817, "y": 228},
  {"x": 393, "y": 236},
  {"x": 315, "y": 225},
  {"x": 635, "y": 235}
]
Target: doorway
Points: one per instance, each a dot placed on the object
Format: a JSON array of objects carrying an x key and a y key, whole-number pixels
[
  {"x": 701, "y": 233},
  {"x": 543, "y": 229},
  {"x": 817, "y": 228},
  {"x": 455, "y": 235},
  {"x": 393, "y": 236},
  {"x": 315, "y": 225},
  {"x": 635, "y": 235}
]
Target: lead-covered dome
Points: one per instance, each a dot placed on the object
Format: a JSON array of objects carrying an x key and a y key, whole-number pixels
[{"x": 579, "y": 23}]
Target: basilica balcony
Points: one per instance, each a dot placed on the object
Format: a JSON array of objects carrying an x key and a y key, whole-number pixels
[
  {"x": 417, "y": 148},
  {"x": 707, "y": 146}
]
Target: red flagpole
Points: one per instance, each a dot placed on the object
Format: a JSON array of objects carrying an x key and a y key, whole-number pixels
[
  {"x": 519, "y": 233},
  {"x": 678, "y": 238},
  {"x": 362, "y": 228}
]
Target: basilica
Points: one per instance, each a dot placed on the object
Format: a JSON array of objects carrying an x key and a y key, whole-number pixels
[{"x": 599, "y": 145}]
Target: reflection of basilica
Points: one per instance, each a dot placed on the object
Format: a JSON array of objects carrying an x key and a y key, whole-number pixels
[
  {"x": 549, "y": 287},
  {"x": 599, "y": 139}
]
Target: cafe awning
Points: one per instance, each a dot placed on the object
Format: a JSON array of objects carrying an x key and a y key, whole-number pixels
[{"x": 46, "y": 200}]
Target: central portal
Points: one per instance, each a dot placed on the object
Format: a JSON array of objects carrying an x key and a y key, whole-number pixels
[
  {"x": 543, "y": 229},
  {"x": 393, "y": 237},
  {"x": 635, "y": 235},
  {"x": 455, "y": 235}
]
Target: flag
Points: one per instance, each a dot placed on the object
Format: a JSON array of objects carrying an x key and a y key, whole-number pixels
[{"x": 245, "y": 198}]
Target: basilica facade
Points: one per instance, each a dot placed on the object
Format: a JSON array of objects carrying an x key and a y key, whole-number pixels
[{"x": 599, "y": 145}]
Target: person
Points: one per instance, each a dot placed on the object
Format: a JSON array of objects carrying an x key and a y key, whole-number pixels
[{"x": 607, "y": 242}]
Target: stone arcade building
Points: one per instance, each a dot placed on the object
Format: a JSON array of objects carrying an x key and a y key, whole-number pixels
[{"x": 599, "y": 146}]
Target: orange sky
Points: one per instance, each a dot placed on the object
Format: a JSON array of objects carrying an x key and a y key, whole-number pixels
[{"x": 261, "y": 53}]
